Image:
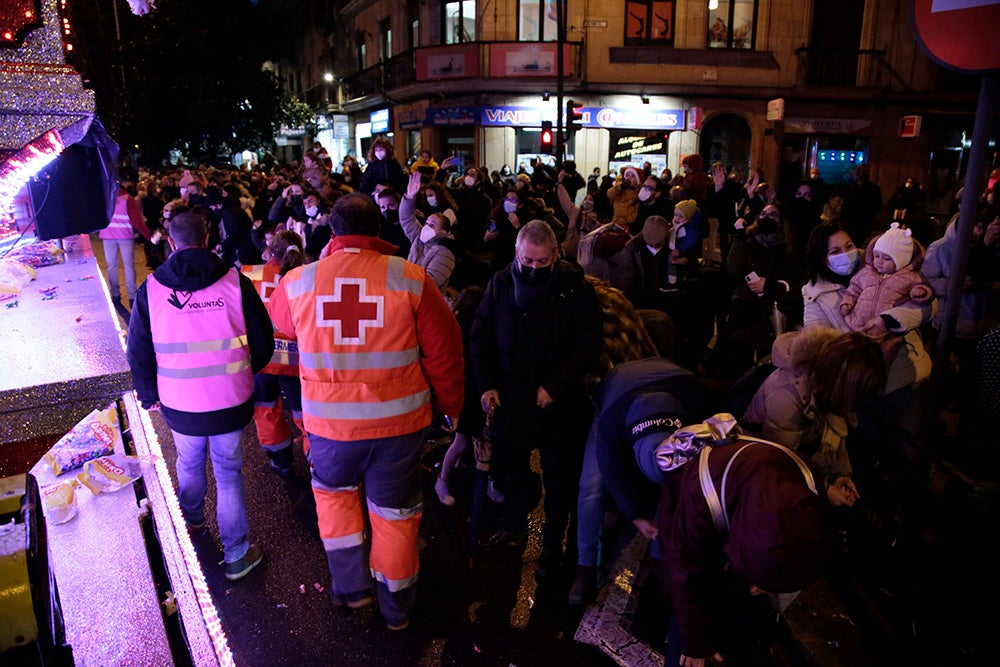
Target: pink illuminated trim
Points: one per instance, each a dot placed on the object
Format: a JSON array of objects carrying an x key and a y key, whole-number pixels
[{"x": 202, "y": 593}]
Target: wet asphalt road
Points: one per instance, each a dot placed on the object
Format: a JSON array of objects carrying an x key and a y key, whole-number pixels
[{"x": 493, "y": 613}]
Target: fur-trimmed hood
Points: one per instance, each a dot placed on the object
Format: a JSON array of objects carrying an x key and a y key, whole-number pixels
[{"x": 796, "y": 350}]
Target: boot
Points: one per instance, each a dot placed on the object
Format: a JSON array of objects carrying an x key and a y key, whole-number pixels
[{"x": 584, "y": 586}]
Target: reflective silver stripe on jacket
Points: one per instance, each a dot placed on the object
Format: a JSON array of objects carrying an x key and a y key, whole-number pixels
[
  {"x": 204, "y": 371},
  {"x": 305, "y": 284},
  {"x": 396, "y": 280},
  {"x": 374, "y": 410},
  {"x": 357, "y": 361},
  {"x": 201, "y": 345}
]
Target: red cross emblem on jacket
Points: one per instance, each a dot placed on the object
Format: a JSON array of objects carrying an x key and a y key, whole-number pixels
[{"x": 350, "y": 311}]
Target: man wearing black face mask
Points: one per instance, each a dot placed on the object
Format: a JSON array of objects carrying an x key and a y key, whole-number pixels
[{"x": 537, "y": 334}]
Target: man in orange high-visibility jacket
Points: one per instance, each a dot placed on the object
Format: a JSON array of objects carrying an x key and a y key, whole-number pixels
[{"x": 377, "y": 345}]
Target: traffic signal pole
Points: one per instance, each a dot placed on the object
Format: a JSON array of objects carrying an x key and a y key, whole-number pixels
[{"x": 560, "y": 121}]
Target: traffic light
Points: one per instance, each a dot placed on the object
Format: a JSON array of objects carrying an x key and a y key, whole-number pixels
[
  {"x": 546, "y": 140},
  {"x": 574, "y": 117}
]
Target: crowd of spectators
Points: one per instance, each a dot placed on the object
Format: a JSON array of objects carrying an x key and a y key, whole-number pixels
[{"x": 548, "y": 271}]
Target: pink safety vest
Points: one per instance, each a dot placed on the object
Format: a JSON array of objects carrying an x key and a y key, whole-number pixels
[
  {"x": 120, "y": 226},
  {"x": 200, "y": 341}
]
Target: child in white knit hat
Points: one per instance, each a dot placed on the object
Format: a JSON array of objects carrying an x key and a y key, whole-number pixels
[{"x": 891, "y": 277}]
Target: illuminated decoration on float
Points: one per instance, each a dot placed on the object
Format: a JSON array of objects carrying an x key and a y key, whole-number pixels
[
  {"x": 17, "y": 19},
  {"x": 18, "y": 168}
]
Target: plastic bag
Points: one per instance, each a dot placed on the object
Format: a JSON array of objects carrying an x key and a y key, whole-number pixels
[
  {"x": 59, "y": 502},
  {"x": 97, "y": 435},
  {"x": 14, "y": 275},
  {"x": 110, "y": 473}
]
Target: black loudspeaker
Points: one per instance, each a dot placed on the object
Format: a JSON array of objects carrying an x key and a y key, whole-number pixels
[{"x": 69, "y": 196}]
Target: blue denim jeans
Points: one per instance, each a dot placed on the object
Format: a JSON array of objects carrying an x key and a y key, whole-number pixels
[
  {"x": 590, "y": 508},
  {"x": 127, "y": 248},
  {"x": 226, "y": 451}
]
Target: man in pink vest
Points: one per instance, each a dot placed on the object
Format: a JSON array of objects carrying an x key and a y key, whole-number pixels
[
  {"x": 119, "y": 236},
  {"x": 197, "y": 334}
]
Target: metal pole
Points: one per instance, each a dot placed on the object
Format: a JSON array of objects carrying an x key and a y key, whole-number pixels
[
  {"x": 973, "y": 184},
  {"x": 560, "y": 41}
]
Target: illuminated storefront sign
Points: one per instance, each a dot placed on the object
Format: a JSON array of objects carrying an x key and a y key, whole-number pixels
[
  {"x": 380, "y": 121},
  {"x": 595, "y": 117}
]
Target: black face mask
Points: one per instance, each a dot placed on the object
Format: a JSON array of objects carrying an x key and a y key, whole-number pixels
[
  {"x": 766, "y": 225},
  {"x": 533, "y": 276},
  {"x": 392, "y": 216},
  {"x": 294, "y": 200}
]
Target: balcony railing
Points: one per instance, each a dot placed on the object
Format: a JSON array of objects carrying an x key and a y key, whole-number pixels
[
  {"x": 849, "y": 68},
  {"x": 401, "y": 70}
]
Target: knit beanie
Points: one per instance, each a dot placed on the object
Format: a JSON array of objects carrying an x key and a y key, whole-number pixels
[
  {"x": 898, "y": 244},
  {"x": 655, "y": 230},
  {"x": 650, "y": 420},
  {"x": 687, "y": 208}
]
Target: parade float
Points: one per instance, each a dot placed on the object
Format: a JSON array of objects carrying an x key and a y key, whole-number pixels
[{"x": 87, "y": 577}]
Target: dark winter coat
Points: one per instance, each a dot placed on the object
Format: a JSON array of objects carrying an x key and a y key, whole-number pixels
[
  {"x": 778, "y": 537},
  {"x": 383, "y": 171},
  {"x": 238, "y": 244},
  {"x": 749, "y": 319},
  {"x": 611, "y": 436},
  {"x": 553, "y": 343}
]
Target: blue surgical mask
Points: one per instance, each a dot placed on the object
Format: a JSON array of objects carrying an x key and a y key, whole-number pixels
[
  {"x": 845, "y": 263},
  {"x": 509, "y": 206}
]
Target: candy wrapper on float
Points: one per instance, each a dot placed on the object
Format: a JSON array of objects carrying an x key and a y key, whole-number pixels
[
  {"x": 97, "y": 435},
  {"x": 91, "y": 445}
]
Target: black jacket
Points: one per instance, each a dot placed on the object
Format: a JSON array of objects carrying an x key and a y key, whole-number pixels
[
  {"x": 238, "y": 244},
  {"x": 553, "y": 342},
  {"x": 383, "y": 171},
  {"x": 189, "y": 270}
]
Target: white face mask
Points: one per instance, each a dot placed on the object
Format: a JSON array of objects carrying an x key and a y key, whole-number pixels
[
  {"x": 509, "y": 206},
  {"x": 470, "y": 182},
  {"x": 843, "y": 264},
  {"x": 654, "y": 250},
  {"x": 379, "y": 155},
  {"x": 311, "y": 211},
  {"x": 427, "y": 233},
  {"x": 645, "y": 194},
  {"x": 432, "y": 201}
]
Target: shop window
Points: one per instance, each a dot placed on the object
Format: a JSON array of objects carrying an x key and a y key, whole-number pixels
[
  {"x": 537, "y": 20},
  {"x": 732, "y": 24},
  {"x": 649, "y": 22},
  {"x": 459, "y": 21},
  {"x": 385, "y": 39}
]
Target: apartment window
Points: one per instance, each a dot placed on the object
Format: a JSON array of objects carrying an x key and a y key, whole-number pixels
[
  {"x": 385, "y": 39},
  {"x": 459, "y": 21},
  {"x": 362, "y": 51},
  {"x": 732, "y": 24},
  {"x": 649, "y": 22},
  {"x": 536, "y": 20},
  {"x": 413, "y": 20}
]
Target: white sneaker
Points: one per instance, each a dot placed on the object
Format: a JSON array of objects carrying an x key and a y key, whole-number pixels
[
  {"x": 492, "y": 493},
  {"x": 441, "y": 488}
]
